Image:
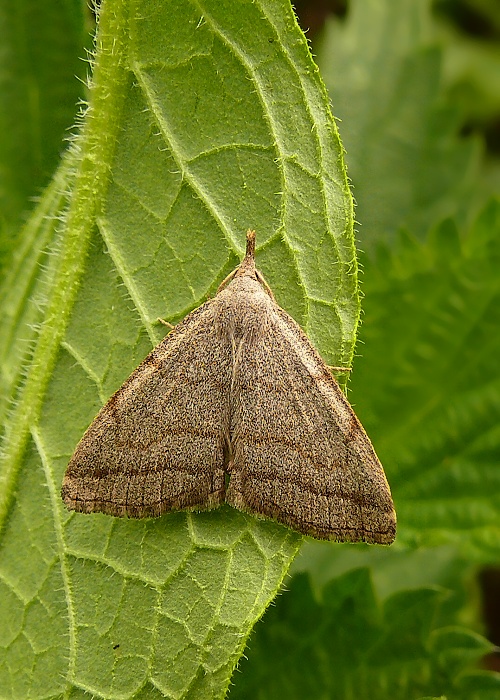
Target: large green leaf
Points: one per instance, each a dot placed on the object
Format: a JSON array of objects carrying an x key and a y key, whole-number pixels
[
  {"x": 346, "y": 646},
  {"x": 206, "y": 118}
]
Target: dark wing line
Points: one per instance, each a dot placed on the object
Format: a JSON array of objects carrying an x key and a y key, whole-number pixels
[
  {"x": 158, "y": 443},
  {"x": 340, "y": 453}
]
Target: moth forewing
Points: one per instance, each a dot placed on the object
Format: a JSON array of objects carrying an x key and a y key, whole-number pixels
[{"x": 235, "y": 390}]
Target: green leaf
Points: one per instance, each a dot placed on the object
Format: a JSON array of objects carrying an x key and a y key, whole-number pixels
[
  {"x": 392, "y": 569},
  {"x": 430, "y": 357},
  {"x": 205, "y": 119},
  {"x": 347, "y": 645},
  {"x": 382, "y": 66},
  {"x": 472, "y": 74},
  {"x": 40, "y": 66},
  {"x": 27, "y": 283},
  {"x": 481, "y": 685}
]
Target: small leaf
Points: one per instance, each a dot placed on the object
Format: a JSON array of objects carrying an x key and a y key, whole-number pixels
[
  {"x": 453, "y": 646},
  {"x": 348, "y": 645}
]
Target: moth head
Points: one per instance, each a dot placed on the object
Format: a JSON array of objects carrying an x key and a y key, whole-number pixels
[
  {"x": 247, "y": 266},
  {"x": 246, "y": 269}
]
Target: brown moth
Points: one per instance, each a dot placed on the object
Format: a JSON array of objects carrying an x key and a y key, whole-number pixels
[{"x": 235, "y": 405}]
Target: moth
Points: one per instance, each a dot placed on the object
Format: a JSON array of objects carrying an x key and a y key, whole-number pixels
[{"x": 235, "y": 405}]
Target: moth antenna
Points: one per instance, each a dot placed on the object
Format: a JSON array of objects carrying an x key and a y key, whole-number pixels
[
  {"x": 165, "y": 323},
  {"x": 263, "y": 282},
  {"x": 226, "y": 280}
]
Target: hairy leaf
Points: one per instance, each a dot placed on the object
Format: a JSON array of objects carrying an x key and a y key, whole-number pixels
[{"x": 206, "y": 118}]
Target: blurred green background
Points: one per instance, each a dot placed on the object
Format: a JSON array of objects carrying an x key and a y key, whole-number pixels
[{"x": 416, "y": 87}]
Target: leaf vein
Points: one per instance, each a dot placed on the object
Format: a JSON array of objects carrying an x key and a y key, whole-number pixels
[{"x": 56, "y": 504}]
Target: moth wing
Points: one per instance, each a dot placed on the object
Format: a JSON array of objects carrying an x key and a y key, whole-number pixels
[
  {"x": 299, "y": 453},
  {"x": 158, "y": 443}
]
